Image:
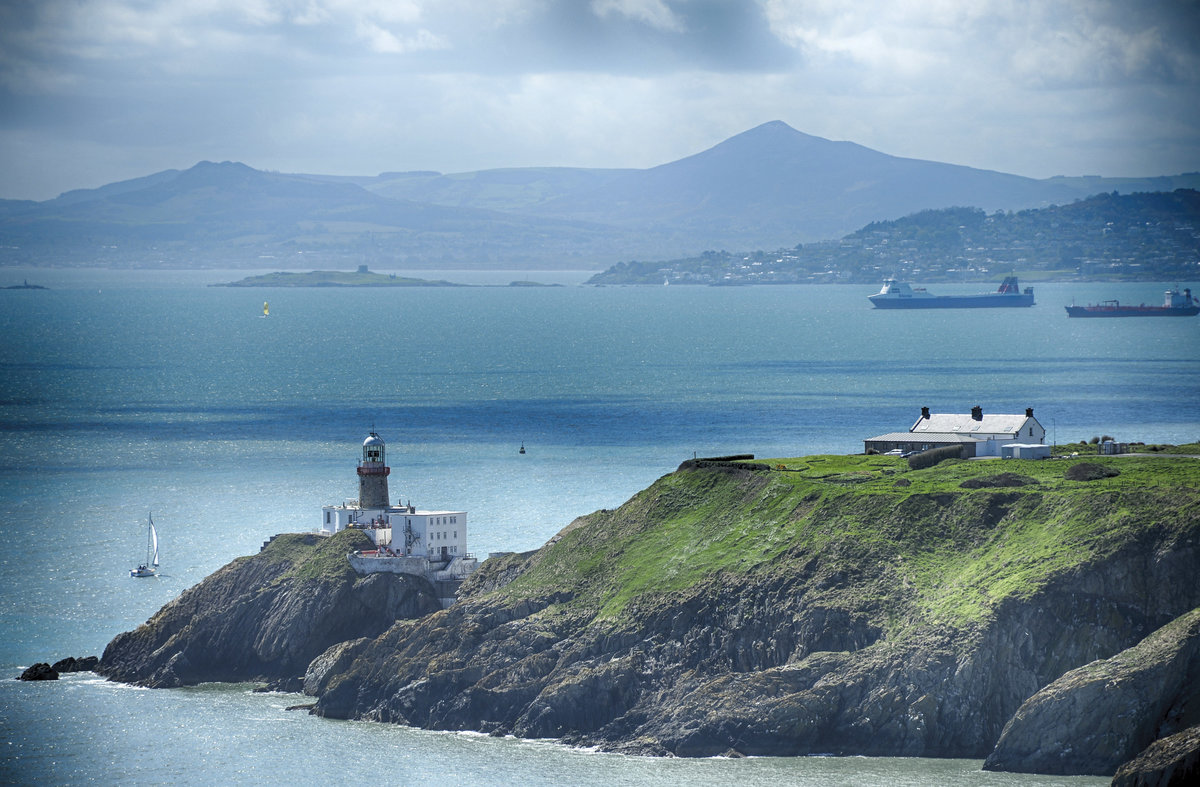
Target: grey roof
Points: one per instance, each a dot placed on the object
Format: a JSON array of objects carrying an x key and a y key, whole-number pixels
[
  {"x": 925, "y": 437},
  {"x": 963, "y": 423}
]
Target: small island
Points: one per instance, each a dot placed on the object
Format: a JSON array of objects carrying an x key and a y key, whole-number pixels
[{"x": 359, "y": 278}]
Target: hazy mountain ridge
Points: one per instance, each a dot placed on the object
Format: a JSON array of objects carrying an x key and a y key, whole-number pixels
[
  {"x": 1137, "y": 236},
  {"x": 769, "y": 187}
]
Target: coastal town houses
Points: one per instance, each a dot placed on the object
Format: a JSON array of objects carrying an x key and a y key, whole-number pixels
[{"x": 978, "y": 434}]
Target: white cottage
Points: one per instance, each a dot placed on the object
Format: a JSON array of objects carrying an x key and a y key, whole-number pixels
[{"x": 980, "y": 434}]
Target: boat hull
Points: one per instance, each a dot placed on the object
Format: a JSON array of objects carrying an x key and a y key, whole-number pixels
[
  {"x": 1131, "y": 311},
  {"x": 990, "y": 301}
]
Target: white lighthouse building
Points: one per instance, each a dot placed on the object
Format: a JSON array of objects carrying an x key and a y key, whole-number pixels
[{"x": 430, "y": 543}]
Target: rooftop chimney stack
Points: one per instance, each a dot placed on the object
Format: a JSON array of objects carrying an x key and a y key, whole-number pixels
[
  {"x": 1029, "y": 412},
  {"x": 925, "y": 413},
  {"x": 976, "y": 413}
]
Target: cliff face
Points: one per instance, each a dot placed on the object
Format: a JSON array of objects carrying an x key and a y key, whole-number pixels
[
  {"x": 1100, "y": 715},
  {"x": 266, "y": 617},
  {"x": 826, "y": 609}
]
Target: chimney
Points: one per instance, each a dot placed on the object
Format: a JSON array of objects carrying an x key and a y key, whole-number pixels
[
  {"x": 976, "y": 413},
  {"x": 1029, "y": 412},
  {"x": 925, "y": 413}
]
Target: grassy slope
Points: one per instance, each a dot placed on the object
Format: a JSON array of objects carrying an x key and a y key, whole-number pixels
[
  {"x": 931, "y": 551},
  {"x": 313, "y": 557}
]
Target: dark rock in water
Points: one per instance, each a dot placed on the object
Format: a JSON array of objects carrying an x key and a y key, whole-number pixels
[
  {"x": 72, "y": 664},
  {"x": 265, "y": 617},
  {"x": 39, "y": 671},
  {"x": 1102, "y": 714},
  {"x": 1169, "y": 762}
]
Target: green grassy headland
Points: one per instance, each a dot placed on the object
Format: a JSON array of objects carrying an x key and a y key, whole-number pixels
[{"x": 912, "y": 547}]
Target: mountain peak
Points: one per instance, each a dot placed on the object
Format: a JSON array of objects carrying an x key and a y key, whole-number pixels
[
  {"x": 212, "y": 172},
  {"x": 774, "y": 131}
]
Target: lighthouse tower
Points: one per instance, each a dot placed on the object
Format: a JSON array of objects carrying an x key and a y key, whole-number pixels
[{"x": 372, "y": 474}]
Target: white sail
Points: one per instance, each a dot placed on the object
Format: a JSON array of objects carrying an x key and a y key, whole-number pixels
[{"x": 150, "y": 567}]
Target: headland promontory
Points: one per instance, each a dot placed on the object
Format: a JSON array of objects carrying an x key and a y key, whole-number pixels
[{"x": 824, "y": 604}]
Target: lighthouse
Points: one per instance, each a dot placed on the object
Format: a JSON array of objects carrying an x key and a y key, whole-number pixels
[
  {"x": 373, "y": 474},
  {"x": 428, "y": 543}
]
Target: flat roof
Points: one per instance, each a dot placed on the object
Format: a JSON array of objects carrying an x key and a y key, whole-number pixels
[
  {"x": 395, "y": 510},
  {"x": 925, "y": 437}
]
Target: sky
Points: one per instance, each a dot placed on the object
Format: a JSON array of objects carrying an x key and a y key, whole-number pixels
[{"x": 97, "y": 91}]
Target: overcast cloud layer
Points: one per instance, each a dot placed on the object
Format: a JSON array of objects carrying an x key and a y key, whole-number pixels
[{"x": 94, "y": 91}]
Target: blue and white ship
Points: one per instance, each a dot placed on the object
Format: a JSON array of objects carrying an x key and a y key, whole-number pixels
[{"x": 900, "y": 295}]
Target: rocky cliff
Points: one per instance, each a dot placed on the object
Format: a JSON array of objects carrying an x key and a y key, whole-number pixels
[
  {"x": 843, "y": 605},
  {"x": 1100, "y": 715},
  {"x": 266, "y": 617}
]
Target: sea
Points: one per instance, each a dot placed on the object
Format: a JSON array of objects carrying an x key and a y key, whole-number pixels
[{"x": 130, "y": 393}]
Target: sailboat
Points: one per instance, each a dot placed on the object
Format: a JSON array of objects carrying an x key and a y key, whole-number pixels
[
  {"x": 266, "y": 311},
  {"x": 150, "y": 567}
]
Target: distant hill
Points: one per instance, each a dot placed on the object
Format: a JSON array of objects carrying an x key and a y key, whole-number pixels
[
  {"x": 769, "y": 187},
  {"x": 231, "y": 214},
  {"x": 774, "y": 186},
  {"x": 1152, "y": 236}
]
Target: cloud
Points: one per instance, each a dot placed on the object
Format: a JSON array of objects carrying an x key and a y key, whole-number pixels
[
  {"x": 124, "y": 87},
  {"x": 1050, "y": 45},
  {"x": 385, "y": 41},
  {"x": 655, "y": 13}
]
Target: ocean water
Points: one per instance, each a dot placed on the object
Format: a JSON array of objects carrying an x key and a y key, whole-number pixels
[{"x": 129, "y": 392}]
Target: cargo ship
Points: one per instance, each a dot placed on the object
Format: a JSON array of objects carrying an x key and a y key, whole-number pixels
[
  {"x": 900, "y": 295},
  {"x": 1175, "y": 304}
]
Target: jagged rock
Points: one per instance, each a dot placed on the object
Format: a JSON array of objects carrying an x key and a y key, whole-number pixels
[
  {"x": 265, "y": 617},
  {"x": 1173, "y": 761},
  {"x": 39, "y": 671},
  {"x": 1102, "y": 714},
  {"x": 72, "y": 664},
  {"x": 333, "y": 661}
]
